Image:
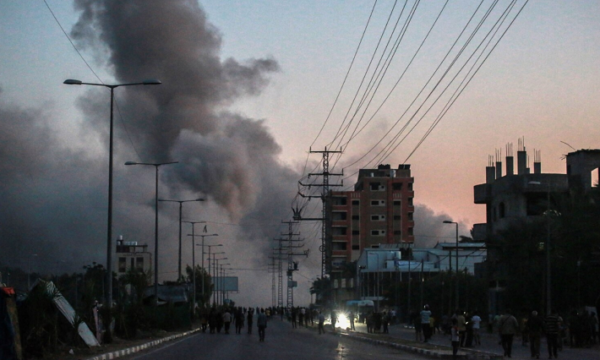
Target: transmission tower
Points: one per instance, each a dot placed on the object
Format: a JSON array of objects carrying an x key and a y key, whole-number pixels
[{"x": 325, "y": 247}]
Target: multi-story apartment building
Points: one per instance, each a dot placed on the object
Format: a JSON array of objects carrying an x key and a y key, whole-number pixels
[
  {"x": 378, "y": 211},
  {"x": 130, "y": 255}
]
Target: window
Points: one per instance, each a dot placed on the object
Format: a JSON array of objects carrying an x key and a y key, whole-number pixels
[
  {"x": 397, "y": 203},
  {"x": 355, "y": 232},
  {"x": 339, "y": 200},
  {"x": 139, "y": 263},
  {"x": 410, "y": 187},
  {"x": 377, "y": 217},
  {"x": 376, "y": 186},
  {"x": 339, "y": 246},
  {"x": 397, "y": 217},
  {"x": 410, "y": 216},
  {"x": 377, "y": 232},
  {"x": 397, "y": 186},
  {"x": 410, "y": 231},
  {"x": 410, "y": 201},
  {"x": 122, "y": 264},
  {"x": 355, "y": 247},
  {"x": 339, "y": 216},
  {"x": 397, "y": 232},
  {"x": 355, "y": 217},
  {"x": 377, "y": 202},
  {"x": 339, "y": 230},
  {"x": 355, "y": 202}
]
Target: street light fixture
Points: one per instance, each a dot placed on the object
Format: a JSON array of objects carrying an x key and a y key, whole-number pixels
[
  {"x": 110, "y": 173},
  {"x": 456, "y": 296},
  {"x": 180, "y": 213},
  {"x": 156, "y": 166}
]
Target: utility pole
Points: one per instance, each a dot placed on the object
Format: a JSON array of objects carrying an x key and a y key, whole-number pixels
[
  {"x": 326, "y": 220},
  {"x": 272, "y": 268},
  {"x": 291, "y": 265},
  {"x": 278, "y": 255}
]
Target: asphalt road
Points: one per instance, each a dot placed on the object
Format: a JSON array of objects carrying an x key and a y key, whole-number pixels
[
  {"x": 489, "y": 343},
  {"x": 281, "y": 342}
]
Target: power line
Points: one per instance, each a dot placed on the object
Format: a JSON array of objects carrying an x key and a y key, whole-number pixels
[
  {"x": 347, "y": 73},
  {"x": 95, "y": 74},
  {"x": 365, "y": 74},
  {"x": 391, "y": 147},
  {"x": 381, "y": 69},
  {"x": 469, "y": 81},
  {"x": 393, "y": 88}
]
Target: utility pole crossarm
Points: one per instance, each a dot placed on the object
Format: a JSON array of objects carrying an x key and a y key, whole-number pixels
[{"x": 310, "y": 196}]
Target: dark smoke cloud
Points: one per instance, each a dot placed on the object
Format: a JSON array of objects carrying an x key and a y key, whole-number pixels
[
  {"x": 49, "y": 203},
  {"x": 171, "y": 40},
  {"x": 228, "y": 158},
  {"x": 430, "y": 228},
  {"x": 54, "y": 198}
]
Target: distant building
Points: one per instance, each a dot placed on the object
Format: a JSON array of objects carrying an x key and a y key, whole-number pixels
[
  {"x": 378, "y": 211},
  {"x": 523, "y": 197},
  {"x": 399, "y": 263},
  {"x": 130, "y": 255}
]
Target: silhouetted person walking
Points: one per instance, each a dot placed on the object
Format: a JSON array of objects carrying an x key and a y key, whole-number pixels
[
  {"x": 261, "y": 322},
  {"x": 509, "y": 326},
  {"x": 249, "y": 318}
]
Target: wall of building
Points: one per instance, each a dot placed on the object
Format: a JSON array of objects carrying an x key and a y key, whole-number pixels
[
  {"x": 379, "y": 210},
  {"x": 129, "y": 255}
]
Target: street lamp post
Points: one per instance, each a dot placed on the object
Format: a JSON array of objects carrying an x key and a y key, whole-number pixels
[
  {"x": 210, "y": 273},
  {"x": 216, "y": 268},
  {"x": 179, "y": 276},
  {"x": 376, "y": 287},
  {"x": 110, "y": 172},
  {"x": 409, "y": 310},
  {"x": 156, "y": 166},
  {"x": 547, "y": 253},
  {"x": 359, "y": 281},
  {"x": 456, "y": 260},
  {"x": 193, "y": 252},
  {"x": 222, "y": 283},
  {"x": 193, "y": 257},
  {"x": 203, "y": 236}
]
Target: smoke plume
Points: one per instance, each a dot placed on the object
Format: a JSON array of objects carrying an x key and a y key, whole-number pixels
[{"x": 54, "y": 197}]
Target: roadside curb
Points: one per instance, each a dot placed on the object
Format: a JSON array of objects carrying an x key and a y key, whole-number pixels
[
  {"x": 440, "y": 354},
  {"x": 134, "y": 349}
]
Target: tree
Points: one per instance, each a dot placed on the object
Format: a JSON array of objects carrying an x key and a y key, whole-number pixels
[
  {"x": 202, "y": 295},
  {"x": 321, "y": 287},
  {"x": 570, "y": 225}
]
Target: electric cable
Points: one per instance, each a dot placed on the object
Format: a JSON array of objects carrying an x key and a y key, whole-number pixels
[
  {"x": 420, "y": 92},
  {"x": 471, "y": 78}
]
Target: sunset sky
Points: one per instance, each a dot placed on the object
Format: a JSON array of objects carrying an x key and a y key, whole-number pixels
[{"x": 282, "y": 62}]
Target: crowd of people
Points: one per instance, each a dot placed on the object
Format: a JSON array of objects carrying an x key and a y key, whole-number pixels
[
  {"x": 580, "y": 329},
  {"x": 217, "y": 319}
]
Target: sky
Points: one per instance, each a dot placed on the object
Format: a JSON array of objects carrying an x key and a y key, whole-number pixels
[{"x": 248, "y": 88}]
